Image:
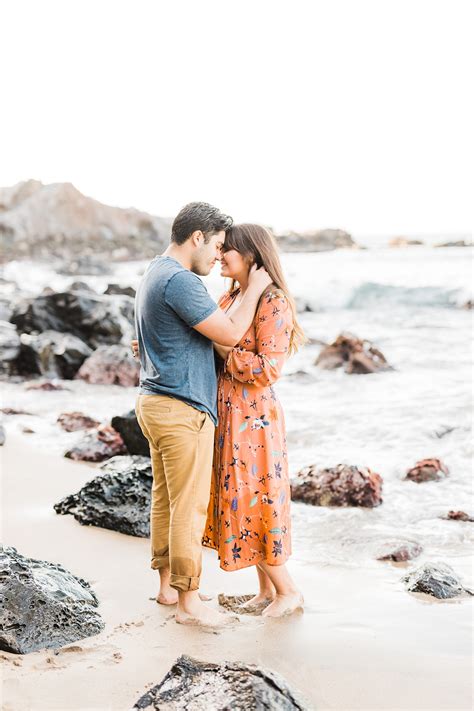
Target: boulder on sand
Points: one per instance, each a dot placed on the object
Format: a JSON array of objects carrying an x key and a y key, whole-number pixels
[
  {"x": 43, "y": 605},
  {"x": 95, "y": 319},
  {"x": 436, "y": 579},
  {"x": 427, "y": 470},
  {"x": 355, "y": 355},
  {"x": 111, "y": 365},
  {"x": 192, "y": 684},
  {"x": 52, "y": 354},
  {"x": 73, "y": 421},
  {"x": 134, "y": 439},
  {"x": 119, "y": 499},
  {"x": 343, "y": 485},
  {"x": 103, "y": 443}
]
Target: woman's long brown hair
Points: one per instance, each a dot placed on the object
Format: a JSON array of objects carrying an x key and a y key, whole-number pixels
[{"x": 259, "y": 247}]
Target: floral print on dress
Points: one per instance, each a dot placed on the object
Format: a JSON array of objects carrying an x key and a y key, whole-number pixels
[{"x": 248, "y": 518}]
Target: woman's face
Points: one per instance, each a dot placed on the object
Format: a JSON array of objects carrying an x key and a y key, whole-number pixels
[{"x": 233, "y": 264}]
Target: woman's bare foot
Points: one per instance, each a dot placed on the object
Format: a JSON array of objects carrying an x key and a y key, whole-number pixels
[
  {"x": 284, "y": 605},
  {"x": 167, "y": 596}
]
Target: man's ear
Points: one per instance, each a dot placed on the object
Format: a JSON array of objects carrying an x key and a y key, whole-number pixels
[{"x": 197, "y": 238}]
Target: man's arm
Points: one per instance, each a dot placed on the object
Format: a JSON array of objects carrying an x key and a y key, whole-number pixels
[{"x": 228, "y": 330}]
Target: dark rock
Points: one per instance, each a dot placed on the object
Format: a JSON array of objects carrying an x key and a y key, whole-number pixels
[
  {"x": 427, "y": 470},
  {"x": 9, "y": 347},
  {"x": 94, "y": 319},
  {"x": 97, "y": 446},
  {"x": 436, "y": 579},
  {"x": 401, "y": 552},
  {"x": 52, "y": 354},
  {"x": 57, "y": 221},
  {"x": 111, "y": 365},
  {"x": 46, "y": 385},
  {"x": 134, "y": 439},
  {"x": 455, "y": 243},
  {"x": 191, "y": 684},
  {"x": 118, "y": 500},
  {"x": 343, "y": 485},
  {"x": 27, "y": 430},
  {"x": 73, "y": 421},
  {"x": 113, "y": 289},
  {"x": 43, "y": 605},
  {"x": 355, "y": 355},
  {"x": 14, "y": 411},
  {"x": 2, "y": 436},
  {"x": 316, "y": 241},
  {"x": 459, "y": 516}
]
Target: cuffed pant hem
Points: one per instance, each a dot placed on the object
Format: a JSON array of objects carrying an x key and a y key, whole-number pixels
[
  {"x": 184, "y": 583},
  {"x": 160, "y": 562}
]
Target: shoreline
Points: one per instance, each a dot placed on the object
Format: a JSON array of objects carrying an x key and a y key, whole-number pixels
[{"x": 361, "y": 635}]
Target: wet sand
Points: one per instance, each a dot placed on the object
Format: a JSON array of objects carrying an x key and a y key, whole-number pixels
[{"x": 363, "y": 642}]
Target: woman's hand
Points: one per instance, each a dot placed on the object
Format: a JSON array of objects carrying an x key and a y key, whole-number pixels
[
  {"x": 135, "y": 349},
  {"x": 223, "y": 351}
]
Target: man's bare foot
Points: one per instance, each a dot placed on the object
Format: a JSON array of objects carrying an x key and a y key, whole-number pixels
[
  {"x": 167, "y": 597},
  {"x": 203, "y": 616},
  {"x": 262, "y": 599},
  {"x": 284, "y": 605}
]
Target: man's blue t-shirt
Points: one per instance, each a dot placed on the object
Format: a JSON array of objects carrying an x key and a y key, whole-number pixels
[{"x": 175, "y": 359}]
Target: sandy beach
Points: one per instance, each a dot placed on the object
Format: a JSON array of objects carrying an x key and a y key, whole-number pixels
[{"x": 363, "y": 642}]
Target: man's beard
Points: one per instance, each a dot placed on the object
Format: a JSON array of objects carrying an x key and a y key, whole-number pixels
[{"x": 200, "y": 268}]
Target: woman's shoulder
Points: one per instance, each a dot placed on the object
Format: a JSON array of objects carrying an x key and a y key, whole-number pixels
[{"x": 271, "y": 293}]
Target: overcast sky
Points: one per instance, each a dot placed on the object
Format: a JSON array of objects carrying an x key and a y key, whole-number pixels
[{"x": 295, "y": 113}]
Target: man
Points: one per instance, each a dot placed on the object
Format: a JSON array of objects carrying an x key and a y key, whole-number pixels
[{"x": 176, "y": 323}]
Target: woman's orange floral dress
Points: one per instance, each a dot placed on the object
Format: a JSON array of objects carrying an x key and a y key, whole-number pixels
[{"x": 248, "y": 518}]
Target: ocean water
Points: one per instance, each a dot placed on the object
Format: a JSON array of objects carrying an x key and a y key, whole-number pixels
[{"x": 409, "y": 303}]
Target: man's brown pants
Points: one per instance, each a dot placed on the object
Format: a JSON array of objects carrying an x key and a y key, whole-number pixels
[{"x": 181, "y": 442}]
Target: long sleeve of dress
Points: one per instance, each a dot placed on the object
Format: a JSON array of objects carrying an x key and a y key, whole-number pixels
[{"x": 273, "y": 327}]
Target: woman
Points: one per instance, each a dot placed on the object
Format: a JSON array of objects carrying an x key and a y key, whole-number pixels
[{"x": 248, "y": 517}]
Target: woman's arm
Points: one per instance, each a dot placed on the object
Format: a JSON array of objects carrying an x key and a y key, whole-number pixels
[{"x": 223, "y": 351}]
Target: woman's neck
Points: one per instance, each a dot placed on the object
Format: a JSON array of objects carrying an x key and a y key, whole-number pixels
[{"x": 243, "y": 282}]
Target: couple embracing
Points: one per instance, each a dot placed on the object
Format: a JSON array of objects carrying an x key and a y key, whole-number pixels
[{"x": 209, "y": 412}]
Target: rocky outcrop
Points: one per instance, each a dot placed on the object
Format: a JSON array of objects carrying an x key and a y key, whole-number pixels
[
  {"x": 399, "y": 552},
  {"x": 459, "y": 516},
  {"x": 111, "y": 365},
  {"x": 52, "y": 354},
  {"x": 315, "y": 241},
  {"x": 74, "y": 421},
  {"x": 119, "y": 499},
  {"x": 43, "y": 605},
  {"x": 343, "y": 485},
  {"x": 436, "y": 579},
  {"x": 134, "y": 439},
  {"x": 9, "y": 347},
  {"x": 191, "y": 684},
  {"x": 427, "y": 470},
  {"x": 97, "y": 446},
  {"x": 45, "y": 221},
  {"x": 455, "y": 243},
  {"x": 355, "y": 355},
  {"x": 404, "y": 242},
  {"x": 96, "y": 320}
]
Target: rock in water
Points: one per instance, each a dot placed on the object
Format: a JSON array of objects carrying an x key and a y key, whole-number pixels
[
  {"x": 427, "y": 470},
  {"x": 459, "y": 516},
  {"x": 2, "y": 436},
  {"x": 96, "y": 320},
  {"x": 117, "y": 289},
  {"x": 436, "y": 579},
  {"x": 96, "y": 446},
  {"x": 315, "y": 241},
  {"x": 52, "y": 354},
  {"x": 111, "y": 365},
  {"x": 118, "y": 500},
  {"x": 191, "y": 684},
  {"x": 134, "y": 439},
  {"x": 43, "y": 605},
  {"x": 357, "y": 356},
  {"x": 400, "y": 552},
  {"x": 342, "y": 485},
  {"x": 73, "y": 421}
]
